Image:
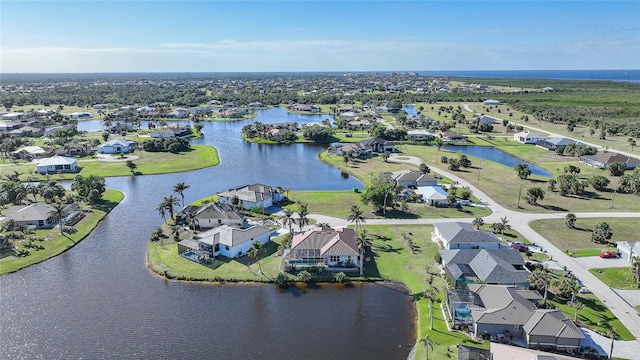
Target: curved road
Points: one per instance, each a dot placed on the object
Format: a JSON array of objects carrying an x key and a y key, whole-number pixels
[{"x": 520, "y": 222}]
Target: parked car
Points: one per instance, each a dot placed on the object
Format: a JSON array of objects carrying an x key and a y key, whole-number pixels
[
  {"x": 584, "y": 290},
  {"x": 609, "y": 254},
  {"x": 520, "y": 247}
]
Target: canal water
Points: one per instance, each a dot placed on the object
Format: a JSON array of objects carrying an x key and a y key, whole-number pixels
[
  {"x": 497, "y": 155},
  {"x": 99, "y": 301}
]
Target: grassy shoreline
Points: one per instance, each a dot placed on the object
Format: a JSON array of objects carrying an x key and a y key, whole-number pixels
[{"x": 59, "y": 243}]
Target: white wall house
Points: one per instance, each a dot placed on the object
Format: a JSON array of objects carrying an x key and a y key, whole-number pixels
[
  {"x": 225, "y": 240},
  {"x": 252, "y": 196},
  {"x": 116, "y": 146},
  {"x": 527, "y": 137},
  {"x": 56, "y": 164},
  {"x": 459, "y": 235}
]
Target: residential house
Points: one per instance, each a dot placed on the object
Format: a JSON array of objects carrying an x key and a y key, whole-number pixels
[
  {"x": 498, "y": 267},
  {"x": 506, "y": 313},
  {"x": 10, "y": 125},
  {"x": 27, "y": 131},
  {"x": 305, "y": 108},
  {"x": 459, "y": 235},
  {"x": 527, "y": 137},
  {"x": 379, "y": 145},
  {"x": 223, "y": 240},
  {"x": 508, "y": 352},
  {"x": 171, "y": 131},
  {"x": 628, "y": 249},
  {"x": 33, "y": 215},
  {"x": 449, "y": 136},
  {"x": 178, "y": 113},
  {"x": 419, "y": 135},
  {"x": 485, "y": 119},
  {"x": 326, "y": 247},
  {"x": 56, "y": 164},
  {"x": 555, "y": 143},
  {"x": 210, "y": 215},
  {"x": 81, "y": 115},
  {"x": 31, "y": 152},
  {"x": 74, "y": 150},
  {"x": 252, "y": 196},
  {"x": 12, "y": 116},
  {"x": 491, "y": 102},
  {"x": 433, "y": 195},
  {"x": 412, "y": 178},
  {"x": 603, "y": 160},
  {"x": 117, "y": 146},
  {"x": 255, "y": 105}
]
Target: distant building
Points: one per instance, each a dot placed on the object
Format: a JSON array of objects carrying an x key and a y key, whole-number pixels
[{"x": 491, "y": 102}]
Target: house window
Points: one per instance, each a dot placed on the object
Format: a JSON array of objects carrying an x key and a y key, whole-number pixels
[
  {"x": 516, "y": 327},
  {"x": 334, "y": 258}
]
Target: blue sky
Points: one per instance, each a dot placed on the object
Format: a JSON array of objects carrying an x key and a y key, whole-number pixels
[{"x": 219, "y": 36}]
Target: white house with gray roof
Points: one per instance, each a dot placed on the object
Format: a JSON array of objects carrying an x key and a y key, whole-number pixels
[
  {"x": 34, "y": 215},
  {"x": 327, "y": 247},
  {"x": 224, "y": 240},
  {"x": 510, "y": 314},
  {"x": 252, "y": 196},
  {"x": 56, "y": 164},
  {"x": 459, "y": 235},
  {"x": 499, "y": 267},
  {"x": 527, "y": 137}
]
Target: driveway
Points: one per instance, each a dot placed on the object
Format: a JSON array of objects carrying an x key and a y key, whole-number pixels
[
  {"x": 621, "y": 349},
  {"x": 596, "y": 262}
]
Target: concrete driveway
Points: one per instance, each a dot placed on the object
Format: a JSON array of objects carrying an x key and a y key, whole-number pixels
[{"x": 596, "y": 262}]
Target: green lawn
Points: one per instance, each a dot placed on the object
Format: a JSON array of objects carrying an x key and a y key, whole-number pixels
[
  {"x": 199, "y": 157},
  {"x": 579, "y": 239},
  {"x": 616, "y": 277},
  {"x": 59, "y": 243},
  {"x": 338, "y": 204}
]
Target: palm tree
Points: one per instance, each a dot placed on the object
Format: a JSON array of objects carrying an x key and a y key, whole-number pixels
[
  {"x": 610, "y": 333},
  {"x": 302, "y": 215},
  {"x": 356, "y": 215},
  {"x": 577, "y": 306},
  {"x": 431, "y": 294},
  {"x": 502, "y": 226},
  {"x": 439, "y": 143},
  {"x": 132, "y": 166},
  {"x": 162, "y": 210},
  {"x": 179, "y": 188},
  {"x": 287, "y": 218},
  {"x": 57, "y": 214},
  {"x": 541, "y": 278},
  {"x": 363, "y": 242},
  {"x": 428, "y": 343},
  {"x": 477, "y": 222},
  {"x": 169, "y": 202},
  {"x": 255, "y": 252}
]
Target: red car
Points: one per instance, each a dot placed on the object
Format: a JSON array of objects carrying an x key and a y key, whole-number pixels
[
  {"x": 609, "y": 255},
  {"x": 520, "y": 247}
]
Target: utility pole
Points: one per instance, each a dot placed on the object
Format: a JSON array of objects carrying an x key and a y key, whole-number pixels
[
  {"x": 519, "y": 195},
  {"x": 479, "y": 167}
]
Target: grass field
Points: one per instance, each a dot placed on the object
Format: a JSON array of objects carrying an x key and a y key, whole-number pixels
[
  {"x": 579, "y": 239},
  {"x": 61, "y": 243},
  {"x": 199, "y": 157},
  {"x": 616, "y": 278}
]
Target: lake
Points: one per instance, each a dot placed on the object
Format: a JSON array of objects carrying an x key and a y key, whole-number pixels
[
  {"x": 99, "y": 300},
  {"x": 496, "y": 155}
]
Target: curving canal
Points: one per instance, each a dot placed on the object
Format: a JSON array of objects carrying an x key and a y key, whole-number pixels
[{"x": 99, "y": 300}]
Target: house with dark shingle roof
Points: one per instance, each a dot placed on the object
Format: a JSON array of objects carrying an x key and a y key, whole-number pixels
[
  {"x": 459, "y": 235},
  {"x": 555, "y": 143},
  {"x": 33, "y": 215},
  {"x": 252, "y": 196},
  {"x": 412, "y": 178},
  {"x": 210, "y": 215},
  {"x": 507, "y": 313},
  {"x": 326, "y": 247},
  {"x": 499, "y": 267}
]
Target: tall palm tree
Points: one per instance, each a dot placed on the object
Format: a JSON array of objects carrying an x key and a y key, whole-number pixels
[
  {"x": 169, "y": 203},
  {"x": 287, "y": 218},
  {"x": 541, "y": 278},
  {"x": 57, "y": 214},
  {"x": 428, "y": 343},
  {"x": 162, "y": 210},
  {"x": 478, "y": 222},
  {"x": 303, "y": 212},
  {"x": 577, "y": 306},
  {"x": 356, "y": 215},
  {"x": 255, "y": 252},
  {"x": 502, "y": 226},
  {"x": 179, "y": 189},
  {"x": 431, "y": 294},
  {"x": 362, "y": 242},
  {"x": 439, "y": 143}
]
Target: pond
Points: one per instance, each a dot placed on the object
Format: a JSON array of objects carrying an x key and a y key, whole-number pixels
[{"x": 496, "y": 155}]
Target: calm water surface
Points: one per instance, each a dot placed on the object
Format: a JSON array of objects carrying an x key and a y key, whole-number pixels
[
  {"x": 99, "y": 300},
  {"x": 496, "y": 155}
]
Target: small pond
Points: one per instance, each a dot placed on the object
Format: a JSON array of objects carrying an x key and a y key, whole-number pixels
[{"x": 496, "y": 155}]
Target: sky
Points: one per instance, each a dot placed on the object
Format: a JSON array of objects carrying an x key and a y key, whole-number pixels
[{"x": 317, "y": 36}]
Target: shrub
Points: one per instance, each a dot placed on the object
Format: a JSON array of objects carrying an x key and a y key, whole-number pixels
[{"x": 304, "y": 276}]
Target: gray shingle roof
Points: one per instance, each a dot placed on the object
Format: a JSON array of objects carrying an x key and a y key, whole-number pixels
[
  {"x": 551, "y": 323},
  {"x": 490, "y": 266},
  {"x": 459, "y": 232}
]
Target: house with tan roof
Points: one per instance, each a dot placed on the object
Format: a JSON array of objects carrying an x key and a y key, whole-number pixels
[
  {"x": 327, "y": 247},
  {"x": 603, "y": 160},
  {"x": 252, "y": 196}
]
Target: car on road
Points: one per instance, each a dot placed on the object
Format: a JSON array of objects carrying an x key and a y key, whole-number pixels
[
  {"x": 519, "y": 247},
  {"x": 609, "y": 254}
]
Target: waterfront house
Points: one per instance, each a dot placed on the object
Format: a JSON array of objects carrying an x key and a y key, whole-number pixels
[
  {"x": 171, "y": 131},
  {"x": 418, "y": 135},
  {"x": 555, "y": 143},
  {"x": 603, "y": 160},
  {"x": 225, "y": 240},
  {"x": 33, "y": 215},
  {"x": 74, "y": 150},
  {"x": 80, "y": 115},
  {"x": 450, "y": 136},
  {"x": 322, "y": 246},
  {"x": 209, "y": 216},
  {"x": 117, "y": 146},
  {"x": 12, "y": 116},
  {"x": 252, "y": 196},
  {"x": 527, "y": 137},
  {"x": 27, "y": 131},
  {"x": 509, "y": 314},
  {"x": 459, "y": 235},
  {"x": 56, "y": 164},
  {"x": 498, "y": 267}
]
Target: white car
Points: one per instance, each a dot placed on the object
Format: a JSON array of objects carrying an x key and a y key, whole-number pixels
[{"x": 584, "y": 290}]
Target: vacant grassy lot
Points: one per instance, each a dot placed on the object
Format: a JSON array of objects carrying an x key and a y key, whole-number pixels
[
  {"x": 616, "y": 278},
  {"x": 579, "y": 238},
  {"x": 339, "y": 203},
  {"x": 56, "y": 243},
  {"x": 503, "y": 185}
]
